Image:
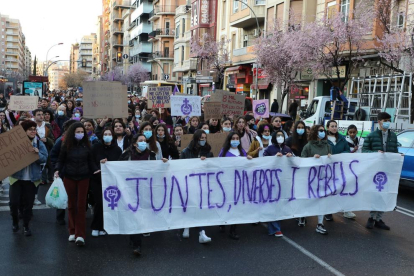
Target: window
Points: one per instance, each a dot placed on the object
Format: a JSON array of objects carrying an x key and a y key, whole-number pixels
[
  {"x": 182, "y": 55},
  {"x": 330, "y": 9},
  {"x": 245, "y": 39},
  {"x": 243, "y": 5},
  {"x": 235, "y": 6},
  {"x": 177, "y": 31},
  {"x": 406, "y": 139},
  {"x": 400, "y": 20},
  {"x": 233, "y": 42},
  {"x": 260, "y": 2},
  {"x": 224, "y": 17},
  {"x": 345, "y": 10},
  {"x": 313, "y": 108},
  {"x": 183, "y": 28}
]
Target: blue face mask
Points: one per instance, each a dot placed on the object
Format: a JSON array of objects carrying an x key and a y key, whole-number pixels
[
  {"x": 77, "y": 115},
  {"x": 321, "y": 135},
  {"x": 300, "y": 131},
  {"x": 202, "y": 143},
  {"x": 107, "y": 139},
  {"x": 160, "y": 136},
  {"x": 267, "y": 137},
  {"x": 142, "y": 146},
  {"x": 254, "y": 127},
  {"x": 226, "y": 129},
  {"x": 129, "y": 102},
  {"x": 207, "y": 131},
  {"x": 60, "y": 113},
  {"x": 234, "y": 143},
  {"x": 386, "y": 125},
  {"x": 137, "y": 116},
  {"x": 148, "y": 134}
]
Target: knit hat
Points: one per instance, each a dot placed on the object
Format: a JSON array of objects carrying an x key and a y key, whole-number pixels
[
  {"x": 28, "y": 124},
  {"x": 80, "y": 110},
  {"x": 248, "y": 117}
]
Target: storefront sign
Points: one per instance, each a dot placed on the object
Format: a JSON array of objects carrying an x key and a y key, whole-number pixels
[
  {"x": 204, "y": 7},
  {"x": 308, "y": 73}
]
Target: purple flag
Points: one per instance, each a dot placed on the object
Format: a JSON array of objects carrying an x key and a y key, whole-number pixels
[{"x": 175, "y": 90}]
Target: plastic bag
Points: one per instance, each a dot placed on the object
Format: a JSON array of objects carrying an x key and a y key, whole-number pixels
[{"x": 56, "y": 196}]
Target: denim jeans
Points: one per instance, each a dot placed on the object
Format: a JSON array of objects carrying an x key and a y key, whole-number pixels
[{"x": 273, "y": 227}]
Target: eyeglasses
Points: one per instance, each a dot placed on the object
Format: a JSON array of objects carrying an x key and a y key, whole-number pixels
[{"x": 321, "y": 130}]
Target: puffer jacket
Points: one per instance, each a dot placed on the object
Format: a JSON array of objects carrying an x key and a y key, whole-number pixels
[
  {"x": 341, "y": 145},
  {"x": 373, "y": 142},
  {"x": 78, "y": 162},
  {"x": 272, "y": 150},
  {"x": 316, "y": 147}
]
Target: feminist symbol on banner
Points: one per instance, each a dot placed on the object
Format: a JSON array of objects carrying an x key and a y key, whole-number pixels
[
  {"x": 112, "y": 194},
  {"x": 186, "y": 108},
  {"x": 380, "y": 179},
  {"x": 261, "y": 109}
]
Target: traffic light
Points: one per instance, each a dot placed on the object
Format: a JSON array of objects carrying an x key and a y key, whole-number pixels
[
  {"x": 119, "y": 57},
  {"x": 84, "y": 62}
]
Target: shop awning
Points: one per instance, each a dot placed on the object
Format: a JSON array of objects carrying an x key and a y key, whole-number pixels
[
  {"x": 234, "y": 68},
  {"x": 204, "y": 85},
  {"x": 263, "y": 84}
]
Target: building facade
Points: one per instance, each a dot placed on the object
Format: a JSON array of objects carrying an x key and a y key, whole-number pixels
[
  {"x": 28, "y": 63},
  {"x": 56, "y": 72},
  {"x": 74, "y": 56},
  {"x": 85, "y": 57}
]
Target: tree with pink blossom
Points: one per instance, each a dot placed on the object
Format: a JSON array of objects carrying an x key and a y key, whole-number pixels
[
  {"x": 116, "y": 74},
  {"x": 136, "y": 74},
  {"x": 211, "y": 54}
]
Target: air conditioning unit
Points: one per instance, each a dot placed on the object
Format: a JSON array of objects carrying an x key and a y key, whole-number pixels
[{"x": 256, "y": 34}]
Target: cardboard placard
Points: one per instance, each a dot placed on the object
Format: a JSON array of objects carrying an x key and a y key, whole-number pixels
[
  {"x": 23, "y": 103},
  {"x": 232, "y": 104},
  {"x": 15, "y": 152},
  {"x": 261, "y": 108},
  {"x": 212, "y": 110},
  {"x": 159, "y": 97},
  {"x": 185, "y": 105},
  {"x": 216, "y": 141},
  {"x": 104, "y": 98}
]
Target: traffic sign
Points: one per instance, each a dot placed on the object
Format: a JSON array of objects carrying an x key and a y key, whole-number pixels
[
  {"x": 166, "y": 77},
  {"x": 125, "y": 56}
]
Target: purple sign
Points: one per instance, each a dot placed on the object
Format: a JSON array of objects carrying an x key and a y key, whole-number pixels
[
  {"x": 261, "y": 108},
  {"x": 112, "y": 194}
]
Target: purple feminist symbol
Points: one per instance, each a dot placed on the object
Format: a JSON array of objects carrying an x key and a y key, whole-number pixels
[
  {"x": 380, "y": 179},
  {"x": 112, "y": 194},
  {"x": 186, "y": 108},
  {"x": 261, "y": 109}
]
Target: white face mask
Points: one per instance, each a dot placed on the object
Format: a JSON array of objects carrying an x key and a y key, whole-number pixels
[{"x": 280, "y": 140}]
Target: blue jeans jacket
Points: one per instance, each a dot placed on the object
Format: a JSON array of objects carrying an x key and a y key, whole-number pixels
[{"x": 35, "y": 168}]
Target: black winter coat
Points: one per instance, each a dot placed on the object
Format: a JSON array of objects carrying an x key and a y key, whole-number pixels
[
  {"x": 102, "y": 151},
  {"x": 78, "y": 162}
]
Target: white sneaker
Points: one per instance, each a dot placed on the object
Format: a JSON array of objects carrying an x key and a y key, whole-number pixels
[
  {"x": 349, "y": 215},
  {"x": 80, "y": 241},
  {"x": 203, "y": 238},
  {"x": 71, "y": 238},
  {"x": 321, "y": 229},
  {"x": 36, "y": 201},
  {"x": 102, "y": 233},
  {"x": 95, "y": 233},
  {"x": 186, "y": 233},
  {"x": 146, "y": 234}
]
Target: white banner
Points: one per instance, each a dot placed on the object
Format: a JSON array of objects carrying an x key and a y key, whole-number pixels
[
  {"x": 185, "y": 105},
  {"x": 154, "y": 196}
]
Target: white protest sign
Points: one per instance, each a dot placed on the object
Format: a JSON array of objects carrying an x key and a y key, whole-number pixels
[
  {"x": 185, "y": 105},
  {"x": 23, "y": 103},
  {"x": 159, "y": 97},
  {"x": 157, "y": 196}
]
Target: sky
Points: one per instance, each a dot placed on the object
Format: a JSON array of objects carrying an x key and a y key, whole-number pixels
[{"x": 49, "y": 22}]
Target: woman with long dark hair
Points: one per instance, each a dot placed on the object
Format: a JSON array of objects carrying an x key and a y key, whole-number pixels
[
  {"x": 70, "y": 108},
  {"x": 299, "y": 138},
  {"x": 247, "y": 135},
  {"x": 192, "y": 125},
  {"x": 226, "y": 124},
  {"x": 178, "y": 132},
  {"x": 152, "y": 142},
  {"x": 277, "y": 125},
  {"x": 168, "y": 148},
  {"x": 262, "y": 141},
  {"x": 198, "y": 148},
  {"x": 77, "y": 159},
  {"x": 122, "y": 133},
  {"x": 316, "y": 147},
  {"x": 214, "y": 125}
]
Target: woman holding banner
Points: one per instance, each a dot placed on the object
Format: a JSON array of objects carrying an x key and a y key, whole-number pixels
[
  {"x": 232, "y": 148},
  {"x": 316, "y": 147},
  {"x": 198, "y": 148},
  {"x": 152, "y": 142},
  {"x": 168, "y": 147},
  {"x": 123, "y": 134},
  {"x": 298, "y": 140},
  {"x": 247, "y": 135},
  {"x": 225, "y": 124},
  {"x": 177, "y": 134},
  {"x": 277, "y": 125},
  {"x": 139, "y": 151},
  {"x": 261, "y": 142}
]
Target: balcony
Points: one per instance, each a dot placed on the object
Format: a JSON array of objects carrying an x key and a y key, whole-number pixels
[
  {"x": 12, "y": 33},
  {"x": 186, "y": 65},
  {"x": 161, "y": 10},
  {"x": 10, "y": 26},
  {"x": 242, "y": 55},
  {"x": 116, "y": 30},
  {"x": 159, "y": 33},
  {"x": 116, "y": 43},
  {"x": 142, "y": 28},
  {"x": 122, "y": 4},
  {"x": 144, "y": 8},
  {"x": 162, "y": 55},
  {"x": 132, "y": 25},
  {"x": 11, "y": 46},
  {"x": 116, "y": 16},
  {"x": 143, "y": 47},
  {"x": 12, "y": 40},
  {"x": 245, "y": 17},
  {"x": 14, "y": 53}
]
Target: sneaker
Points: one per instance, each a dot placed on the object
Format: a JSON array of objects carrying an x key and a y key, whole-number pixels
[
  {"x": 80, "y": 241},
  {"x": 37, "y": 202},
  {"x": 15, "y": 228},
  {"x": 321, "y": 229},
  {"x": 71, "y": 238},
  {"x": 137, "y": 251},
  {"x": 381, "y": 225},
  {"x": 95, "y": 233},
  {"x": 102, "y": 233},
  {"x": 27, "y": 232},
  {"x": 301, "y": 222},
  {"x": 186, "y": 233},
  {"x": 329, "y": 217},
  {"x": 279, "y": 234},
  {"x": 349, "y": 215},
  {"x": 203, "y": 238},
  {"x": 370, "y": 223},
  {"x": 146, "y": 234}
]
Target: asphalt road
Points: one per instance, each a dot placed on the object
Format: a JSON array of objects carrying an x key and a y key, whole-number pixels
[{"x": 348, "y": 249}]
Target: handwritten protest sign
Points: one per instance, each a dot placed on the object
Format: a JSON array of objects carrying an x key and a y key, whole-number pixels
[
  {"x": 185, "y": 105},
  {"x": 216, "y": 141},
  {"x": 159, "y": 97},
  {"x": 15, "y": 151},
  {"x": 104, "y": 98},
  {"x": 212, "y": 110},
  {"x": 157, "y": 196},
  {"x": 261, "y": 108},
  {"x": 23, "y": 103},
  {"x": 231, "y": 104}
]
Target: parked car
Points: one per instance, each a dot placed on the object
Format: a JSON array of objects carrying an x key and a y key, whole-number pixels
[{"x": 406, "y": 146}]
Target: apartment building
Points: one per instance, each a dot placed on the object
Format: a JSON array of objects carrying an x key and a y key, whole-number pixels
[
  {"x": 56, "y": 72},
  {"x": 162, "y": 38},
  {"x": 28, "y": 63},
  {"x": 85, "y": 60},
  {"x": 140, "y": 48},
  {"x": 97, "y": 49},
  {"x": 12, "y": 46},
  {"x": 73, "y": 59}
]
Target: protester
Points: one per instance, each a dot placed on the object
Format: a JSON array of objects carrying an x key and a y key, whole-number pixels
[
  {"x": 214, "y": 126},
  {"x": 298, "y": 140},
  {"x": 106, "y": 150},
  {"x": 24, "y": 182},
  {"x": 192, "y": 125},
  {"x": 50, "y": 119},
  {"x": 61, "y": 117},
  {"x": 355, "y": 143},
  {"x": 76, "y": 157},
  {"x": 198, "y": 148},
  {"x": 122, "y": 133},
  {"x": 250, "y": 121},
  {"x": 70, "y": 105},
  {"x": 205, "y": 127},
  {"x": 178, "y": 133},
  {"x": 247, "y": 135},
  {"x": 275, "y": 106},
  {"x": 153, "y": 121},
  {"x": 168, "y": 147},
  {"x": 293, "y": 109},
  {"x": 225, "y": 124},
  {"x": 152, "y": 144},
  {"x": 89, "y": 125},
  {"x": 288, "y": 127},
  {"x": 261, "y": 142},
  {"x": 3, "y": 101},
  {"x": 316, "y": 147},
  {"x": 277, "y": 125},
  {"x": 77, "y": 113},
  {"x": 381, "y": 140}
]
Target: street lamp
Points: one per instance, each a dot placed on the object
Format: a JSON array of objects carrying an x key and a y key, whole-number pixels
[
  {"x": 258, "y": 32},
  {"x": 60, "y": 43},
  {"x": 47, "y": 63}
]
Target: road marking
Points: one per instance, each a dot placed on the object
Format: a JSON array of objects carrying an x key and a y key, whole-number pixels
[
  {"x": 312, "y": 256},
  {"x": 406, "y": 210},
  {"x": 405, "y": 213},
  {"x": 40, "y": 207}
]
